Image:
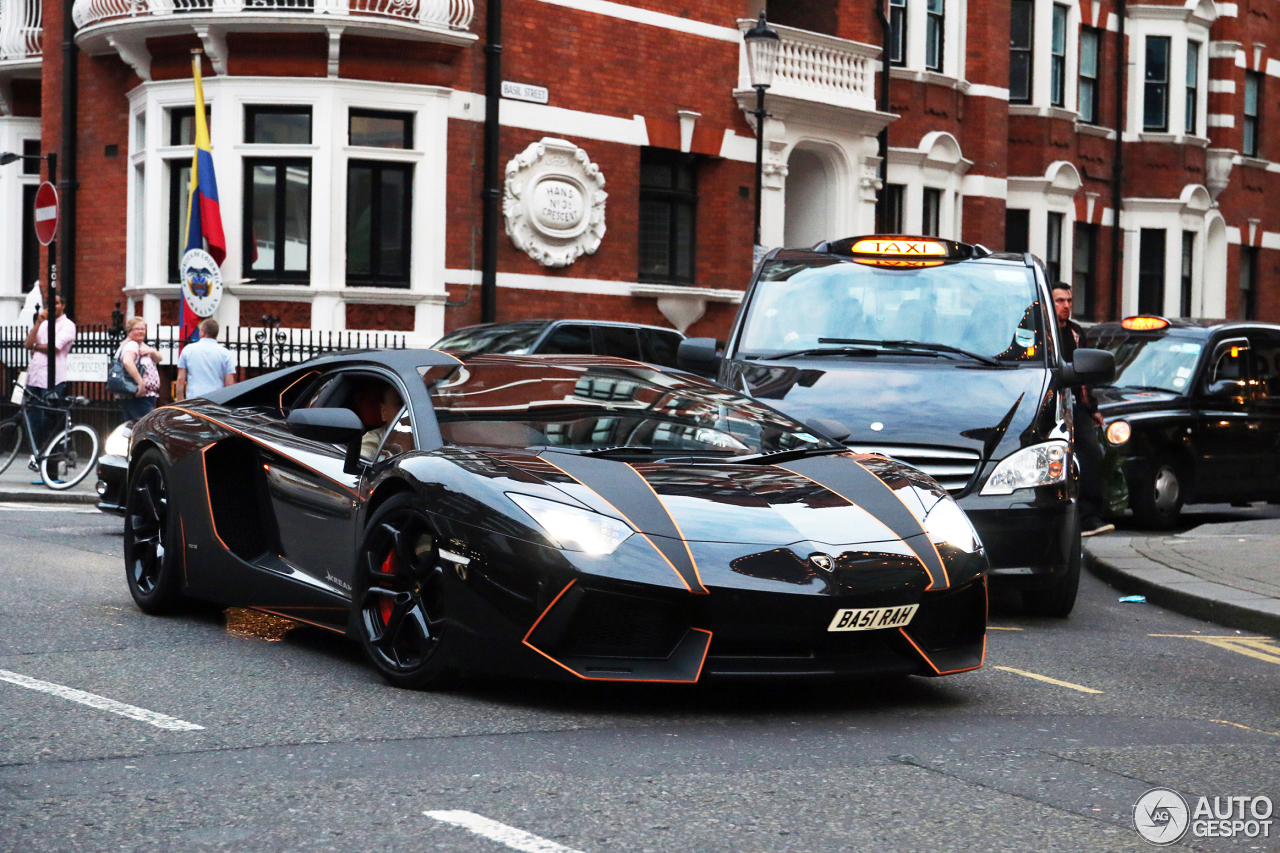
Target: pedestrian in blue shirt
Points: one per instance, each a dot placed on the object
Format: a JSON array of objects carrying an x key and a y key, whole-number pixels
[{"x": 205, "y": 365}]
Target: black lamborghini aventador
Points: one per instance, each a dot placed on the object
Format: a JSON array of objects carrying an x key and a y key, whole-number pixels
[{"x": 575, "y": 517}]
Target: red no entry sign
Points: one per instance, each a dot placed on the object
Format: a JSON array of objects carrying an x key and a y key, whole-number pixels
[{"x": 46, "y": 213}]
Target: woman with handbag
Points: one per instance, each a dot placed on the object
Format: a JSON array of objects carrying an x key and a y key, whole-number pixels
[{"x": 139, "y": 361}]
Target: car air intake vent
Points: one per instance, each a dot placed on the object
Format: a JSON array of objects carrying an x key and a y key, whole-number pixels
[
  {"x": 611, "y": 625},
  {"x": 951, "y": 467}
]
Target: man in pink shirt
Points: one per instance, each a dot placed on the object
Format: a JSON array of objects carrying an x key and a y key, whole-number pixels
[{"x": 37, "y": 343}]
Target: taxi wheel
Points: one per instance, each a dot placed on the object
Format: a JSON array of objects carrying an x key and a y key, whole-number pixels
[
  {"x": 1057, "y": 601},
  {"x": 151, "y": 537},
  {"x": 1158, "y": 498},
  {"x": 398, "y": 597}
]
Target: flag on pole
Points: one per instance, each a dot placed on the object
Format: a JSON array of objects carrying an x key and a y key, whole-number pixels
[{"x": 204, "y": 216}]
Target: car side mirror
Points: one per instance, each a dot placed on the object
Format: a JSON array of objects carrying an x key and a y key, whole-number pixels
[
  {"x": 332, "y": 426},
  {"x": 1089, "y": 367},
  {"x": 698, "y": 355},
  {"x": 828, "y": 428},
  {"x": 1225, "y": 389}
]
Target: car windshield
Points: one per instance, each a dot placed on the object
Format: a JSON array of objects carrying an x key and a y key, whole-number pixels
[
  {"x": 589, "y": 406},
  {"x": 513, "y": 338},
  {"x": 1165, "y": 363},
  {"x": 989, "y": 309}
]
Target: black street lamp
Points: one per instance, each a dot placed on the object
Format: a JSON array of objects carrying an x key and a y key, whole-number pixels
[{"x": 762, "y": 55}]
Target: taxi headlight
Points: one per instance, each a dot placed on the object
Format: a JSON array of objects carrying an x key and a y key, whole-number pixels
[
  {"x": 947, "y": 524},
  {"x": 1118, "y": 432},
  {"x": 117, "y": 444},
  {"x": 1038, "y": 465},
  {"x": 575, "y": 529}
]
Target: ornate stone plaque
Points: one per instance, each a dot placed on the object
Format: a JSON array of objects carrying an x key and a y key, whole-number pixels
[{"x": 554, "y": 202}]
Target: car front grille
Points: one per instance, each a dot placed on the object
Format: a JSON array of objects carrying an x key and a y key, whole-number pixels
[{"x": 951, "y": 467}]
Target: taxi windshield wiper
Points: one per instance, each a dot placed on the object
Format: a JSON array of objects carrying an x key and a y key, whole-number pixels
[
  {"x": 917, "y": 345},
  {"x": 854, "y": 351}
]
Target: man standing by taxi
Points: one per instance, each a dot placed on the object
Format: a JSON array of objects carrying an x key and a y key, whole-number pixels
[
  {"x": 205, "y": 365},
  {"x": 1086, "y": 419},
  {"x": 38, "y": 344}
]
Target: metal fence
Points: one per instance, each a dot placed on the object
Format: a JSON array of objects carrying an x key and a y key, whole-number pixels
[{"x": 256, "y": 349}]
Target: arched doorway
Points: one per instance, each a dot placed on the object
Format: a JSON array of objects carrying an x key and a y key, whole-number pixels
[
  {"x": 808, "y": 200},
  {"x": 1213, "y": 294}
]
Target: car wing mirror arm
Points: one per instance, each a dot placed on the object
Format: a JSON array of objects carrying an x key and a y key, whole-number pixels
[{"x": 351, "y": 464}]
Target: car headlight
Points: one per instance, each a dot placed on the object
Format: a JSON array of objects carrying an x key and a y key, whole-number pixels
[
  {"x": 1038, "y": 465},
  {"x": 947, "y": 524},
  {"x": 1118, "y": 432},
  {"x": 117, "y": 444},
  {"x": 575, "y": 529}
]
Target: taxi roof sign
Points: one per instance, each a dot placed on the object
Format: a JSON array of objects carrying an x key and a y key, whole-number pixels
[
  {"x": 898, "y": 250},
  {"x": 1144, "y": 323}
]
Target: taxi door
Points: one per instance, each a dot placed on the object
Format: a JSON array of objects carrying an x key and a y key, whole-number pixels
[
  {"x": 1229, "y": 431},
  {"x": 1264, "y": 366}
]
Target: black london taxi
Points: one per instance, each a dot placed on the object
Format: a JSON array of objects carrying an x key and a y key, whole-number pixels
[
  {"x": 938, "y": 354},
  {"x": 1194, "y": 411}
]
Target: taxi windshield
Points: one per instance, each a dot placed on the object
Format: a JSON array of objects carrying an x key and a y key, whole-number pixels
[
  {"x": 801, "y": 307},
  {"x": 1158, "y": 364},
  {"x": 532, "y": 402}
]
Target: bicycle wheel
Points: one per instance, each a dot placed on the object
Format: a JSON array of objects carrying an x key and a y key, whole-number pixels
[
  {"x": 10, "y": 442},
  {"x": 70, "y": 457}
]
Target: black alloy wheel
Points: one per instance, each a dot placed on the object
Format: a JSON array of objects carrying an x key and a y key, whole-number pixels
[
  {"x": 398, "y": 597},
  {"x": 1157, "y": 502},
  {"x": 151, "y": 537}
]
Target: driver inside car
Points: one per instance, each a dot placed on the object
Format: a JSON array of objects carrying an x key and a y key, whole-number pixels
[{"x": 388, "y": 408}]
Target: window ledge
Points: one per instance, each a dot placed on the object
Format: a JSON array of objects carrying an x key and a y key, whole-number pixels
[
  {"x": 1095, "y": 130},
  {"x": 1043, "y": 112},
  {"x": 1252, "y": 162},
  {"x": 1174, "y": 139},
  {"x": 897, "y": 72},
  {"x": 686, "y": 291}
]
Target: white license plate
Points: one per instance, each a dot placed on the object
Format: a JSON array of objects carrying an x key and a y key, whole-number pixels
[{"x": 871, "y": 618}]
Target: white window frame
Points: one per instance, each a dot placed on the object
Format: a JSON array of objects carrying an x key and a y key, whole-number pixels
[
  {"x": 1191, "y": 211},
  {"x": 937, "y": 163},
  {"x": 1042, "y": 63},
  {"x": 1180, "y": 25},
  {"x": 953, "y": 35}
]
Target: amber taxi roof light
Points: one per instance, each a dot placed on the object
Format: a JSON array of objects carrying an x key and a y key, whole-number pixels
[
  {"x": 895, "y": 250},
  {"x": 1144, "y": 324}
]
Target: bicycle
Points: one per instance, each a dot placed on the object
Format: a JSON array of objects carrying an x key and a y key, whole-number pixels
[{"x": 69, "y": 456}]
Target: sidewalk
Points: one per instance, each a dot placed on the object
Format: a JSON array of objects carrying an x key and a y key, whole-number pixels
[
  {"x": 16, "y": 487},
  {"x": 1227, "y": 573}
]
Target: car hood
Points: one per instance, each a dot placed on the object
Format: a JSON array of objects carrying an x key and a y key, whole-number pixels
[
  {"x": 758, "y": 505},
  {"x": 1113, "y": 402},
  {"x": 940, "y": 404}
]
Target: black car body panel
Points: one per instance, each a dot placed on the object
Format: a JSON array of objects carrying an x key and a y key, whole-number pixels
[{"x": 718, "y": 577}]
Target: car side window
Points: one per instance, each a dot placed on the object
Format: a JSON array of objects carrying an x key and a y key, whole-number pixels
[
  {"x": 1264, "y": 361},
  {"x": 659, "y": 347},
  {"x": 320, "y": 393},
  {"x": 568, "y": 340},
  {"x": 619, "y": 341},
  {"x": 399, "y": 438},
  {"x": 1229, "y": 364}
]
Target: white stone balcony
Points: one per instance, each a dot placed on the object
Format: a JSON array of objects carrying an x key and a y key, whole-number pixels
[
  {"x": 818, "y": 68},
  {"x": 21, "y": 42},
  {"x": 123, "y": 26}
]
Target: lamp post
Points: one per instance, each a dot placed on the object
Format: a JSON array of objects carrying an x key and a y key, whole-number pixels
[{"x": 762, "y": 55}]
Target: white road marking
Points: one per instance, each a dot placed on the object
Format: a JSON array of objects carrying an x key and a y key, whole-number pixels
[
  {"x": 516, "y": 839},
  {"x": 7, "y": 507},
  {"x": 102, "y": 703}
]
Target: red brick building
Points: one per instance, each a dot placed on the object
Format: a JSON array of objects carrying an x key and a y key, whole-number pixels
[{"x": 348, "y": 143}]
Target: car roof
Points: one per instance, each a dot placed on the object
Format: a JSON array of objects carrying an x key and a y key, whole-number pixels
[
  {"x": 1195, "y": 326},
  {"x": 998, "y": 258},
  {"x": 529, "y": 324}
]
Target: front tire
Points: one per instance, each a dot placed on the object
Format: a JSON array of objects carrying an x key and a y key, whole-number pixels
[
  {"x": 1057, "y": 601},
  {"x": 152, "y": 537},
  {"x": 1158, "y": 497},
  {"x": 69, "y": 458},
  {"x": 398, "y": 597}
]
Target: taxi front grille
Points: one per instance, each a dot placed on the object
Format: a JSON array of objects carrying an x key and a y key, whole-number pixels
[{"x": 951, "y": 467}]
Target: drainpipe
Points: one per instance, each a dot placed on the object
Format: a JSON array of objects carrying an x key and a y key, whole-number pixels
[
  {"x": 1117, "y": 171},
  {"x": 492, "y": 192},
  {"x": 67, "y": 185},
  {"x": 882, "y": 139}
]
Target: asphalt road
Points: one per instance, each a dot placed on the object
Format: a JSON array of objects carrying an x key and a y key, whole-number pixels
[{"x": 302, "y": 747}]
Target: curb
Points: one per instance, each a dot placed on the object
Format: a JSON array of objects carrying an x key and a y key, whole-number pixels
[
  {"x": 47, "y": 497},
  {"x": 1220, "y": 611}
]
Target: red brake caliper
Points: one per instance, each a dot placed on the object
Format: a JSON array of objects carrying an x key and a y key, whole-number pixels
[{"x": 385, "y": 604}]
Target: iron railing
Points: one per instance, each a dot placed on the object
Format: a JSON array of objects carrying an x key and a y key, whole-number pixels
[
  {"x": 442, "y": 14},
  {"x": 256, "y": 349}
]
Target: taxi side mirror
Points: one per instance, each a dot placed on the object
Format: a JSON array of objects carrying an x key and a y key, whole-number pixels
[
  {"x": 698, "y": 355},
  {"x": 1089, "y": 367},
  {"x": 1225, "y": 388}
]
